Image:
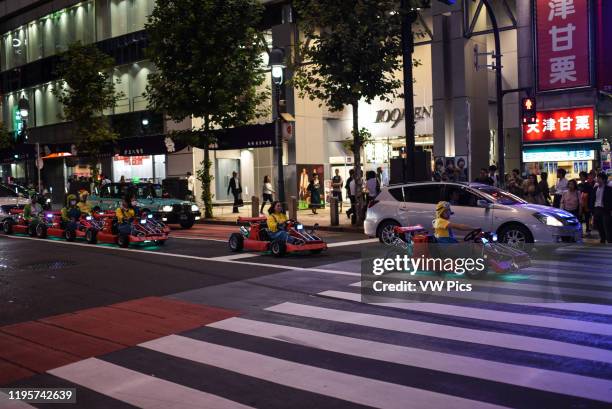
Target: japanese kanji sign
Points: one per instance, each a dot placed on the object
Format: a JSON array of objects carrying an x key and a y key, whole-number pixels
[
  {"x": 604, "y": 34},
  {"x": 560, "y": 125},
  {"x": 562, "y": 28}
]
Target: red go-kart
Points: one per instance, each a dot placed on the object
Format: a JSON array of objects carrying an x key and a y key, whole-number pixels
[
  {"x": 256, "y": 237},
  {"x": 103, "y": 228}
]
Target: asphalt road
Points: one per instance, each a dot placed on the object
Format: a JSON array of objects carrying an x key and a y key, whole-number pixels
[{"x": 191, "y": 325}]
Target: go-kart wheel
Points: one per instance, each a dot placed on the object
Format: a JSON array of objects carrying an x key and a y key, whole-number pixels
[
  {"x": 278, "y": 248},
  {"x": 91, "y": 235},
  {"x": 69, "y": 235},
  {"x": 317, "y": 251},
  {"x": 160, "y": 242},
  {"x": 385, "y": 232},
  {"x": 41, "y": 231},
  {"x": 236, "y": 242},
  {"x": 31, "y": 230},
  {"x": 123, "y": 240},
  {"x": 7, "y": 226}
]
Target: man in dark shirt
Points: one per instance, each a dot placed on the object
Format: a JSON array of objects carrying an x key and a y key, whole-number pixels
[
  {"x": 587, "y": 200},
  {"x": 484, "y": 177},
  {"x": 236, "y": 190},
  {"x": 544, "y": 188}
]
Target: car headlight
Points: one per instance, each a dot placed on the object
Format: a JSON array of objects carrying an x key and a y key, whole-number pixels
[
  {"x": 548, "y": 220},
  {"x": 195, "y": 208},
  {"x": 167, "y": 208}
]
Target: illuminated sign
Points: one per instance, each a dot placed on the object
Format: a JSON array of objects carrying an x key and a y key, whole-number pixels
[
  {"x": 558, "y": 156},
  {"x": 562, "y": 34},
  {"x": 561, "y": 125}
]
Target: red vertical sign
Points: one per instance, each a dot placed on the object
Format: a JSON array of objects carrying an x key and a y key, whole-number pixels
[
  {"x": 604, "y": 36},
  {"x": 562, "y": 30}
]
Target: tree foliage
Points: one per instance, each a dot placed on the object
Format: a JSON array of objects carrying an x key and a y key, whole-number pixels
[
  {"x": 6, "y": 138},
  {"x": 208, "y": 58},
  {"x": 351, "y": 53},
  {"x": 87, "y": 91}
]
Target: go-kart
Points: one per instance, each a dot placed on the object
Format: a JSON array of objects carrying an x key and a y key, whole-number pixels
[
  {"x": 500, "y": 258},
  {"x": 256, "y": 237},
  {"x": 102, "y": 227},
  {"x": 15, "y": 223}
]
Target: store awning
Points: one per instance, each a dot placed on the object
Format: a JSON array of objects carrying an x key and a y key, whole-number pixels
[
  {"x": 244, "y": 137},
  {"x": 568, "y": 146}
]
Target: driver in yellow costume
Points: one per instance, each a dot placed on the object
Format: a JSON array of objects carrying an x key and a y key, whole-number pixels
[{"x": 443, "y": 227}]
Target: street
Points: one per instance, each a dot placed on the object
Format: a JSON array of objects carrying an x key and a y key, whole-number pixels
[{"x": 191, "y": 325}]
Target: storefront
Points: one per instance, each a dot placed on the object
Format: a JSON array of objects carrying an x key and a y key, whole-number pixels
[{"x": 561, "y": 139}]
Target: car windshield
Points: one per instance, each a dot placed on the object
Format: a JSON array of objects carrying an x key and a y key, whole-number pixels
[
  {"x": 150, "y": 190},
  {"x": 19, "y": 189},
  {"x": 498, "y": 196}
]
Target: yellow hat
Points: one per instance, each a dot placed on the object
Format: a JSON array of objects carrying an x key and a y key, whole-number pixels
[{"x": 441, "y": 207}]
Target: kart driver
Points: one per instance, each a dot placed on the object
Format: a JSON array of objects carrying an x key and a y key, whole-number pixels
[
  {"x": 32, "y": 210},
  {"x": 276, "y": 221},
  {"x": 443, "y": 227},
  {"x": 125, "y": 215},
  {"x": 83, "y": 204},
  {"x": 70, "y": 213}
]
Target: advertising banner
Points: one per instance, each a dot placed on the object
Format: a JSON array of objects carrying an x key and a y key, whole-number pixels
[
  {"x": 562, "y": 44},
  {"x": 311, "y": 188},
  {"x": 561, "y": 125},
  {"x": 604, "y": 55}
]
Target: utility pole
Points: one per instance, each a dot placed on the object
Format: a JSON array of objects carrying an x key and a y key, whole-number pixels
[{"x": 409, "y": 16}]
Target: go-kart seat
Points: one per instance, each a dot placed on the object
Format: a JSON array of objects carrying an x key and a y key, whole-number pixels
[
  {"x": 115, "y": 226},
  {"x": 264, "y": 234}
]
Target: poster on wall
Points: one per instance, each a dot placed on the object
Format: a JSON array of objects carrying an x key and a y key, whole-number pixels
[
  {"x": 461, "y": 169},
  {"x": 563, "y": 47},
  {"x": 306, "y": 175}
]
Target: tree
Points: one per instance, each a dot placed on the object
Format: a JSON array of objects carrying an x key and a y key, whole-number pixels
[
  {"x": 6, "y": 138},
  {"x": 208, "y": 59},
  {"x": 87, "y": 91},
  {"x": 352, "y": 51}
]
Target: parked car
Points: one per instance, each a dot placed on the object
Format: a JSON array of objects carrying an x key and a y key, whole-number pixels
[
  {"x": 515, "y": 221},
  {"x": 9, "y": 199},
  {"x": 151, "y": 199}
]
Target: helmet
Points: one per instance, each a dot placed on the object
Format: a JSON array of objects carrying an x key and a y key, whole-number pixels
[
  {"x": 83, "y": 194},
  {"x": 441, "y": 207},
  {"x": 34, "y": 197},
  {"x": 70, "y": 198}
]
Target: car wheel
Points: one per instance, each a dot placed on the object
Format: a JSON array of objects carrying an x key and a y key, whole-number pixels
[
  {"x": 91, "y": 235},
  {"x": 7, "y": 226},
  {"x": 516, "y": 236},
  {"x": 41, "y": 231},
  {"x": 187, "y": 224},
  {"x": 278, "y": 248},
  {"x": 385, "y": 231},
  {"x": 69, "y": 235},
  {"x": 123, "y": 240},
  {"x": 236, "y": 242}
]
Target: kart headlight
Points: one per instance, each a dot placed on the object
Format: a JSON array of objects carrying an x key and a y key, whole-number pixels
[
  {"x": 167, "y": 208},
  {"x": 494, "y": 237},
  {"x": 149, "y": 216},
  {"x": 48, "y": 201},
  {"x": 300, "y": 226},
  {"x": 49, "y": 215},
  {"x": 195, "y": 208},
  {"x": 548, "y": 220},
  {"x": 88, "y": 218},
  {"x": 143, "y": 221}
]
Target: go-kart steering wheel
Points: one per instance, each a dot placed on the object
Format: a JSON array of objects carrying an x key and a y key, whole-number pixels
[{"x": 472, "y": 235}]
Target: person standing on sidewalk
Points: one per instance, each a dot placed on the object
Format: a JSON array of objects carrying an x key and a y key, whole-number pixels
[
  {"x": 570, "y": 200},
  {"x": 544, "y": 188},
  {"x": 603, "y": 209},
  {"x": 350, "y": 192},
  {"x": 560, "y": 187},
  {"x": 587, "y": 201},
  {"x": 337, "y": 183},
  {"x": 315, "y": 194},
  {"x": 236, "y": 189},
  {"x": 267, "y": 191}
]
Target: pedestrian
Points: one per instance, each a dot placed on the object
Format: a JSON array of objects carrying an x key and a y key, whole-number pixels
[
  {"x": 602, "y": 213},
  {"x": 450, "y": 170},
  {"x": 379, "y": 176},
  {"x": 570, "y": 200},
  {"x": 560, "y": 187},
  {"x": 544, "y": 188},
  {"x": 493, "y": 175},
  {"x": 532, "y": 191},
  {"x": 315, "y": 194},
  {"x": 462, "y": 174},
  {"x": 190, "y": 185},
  {"x": 236, "y": 189},
  {"x": 515, "y": 183},
  {"x": 484, "y": 177},
  {"x": 438, "y": 170},
  {"x": 122, "y": 179},
  {"x": 104, "y": 180},
  {"x": 266, "y": 192},
  {"x": 372, "y": 186},
  {"x": 350, "y": 192},
  {"x": 587, "y": 201},
  {"x": 337, "y": 184}
]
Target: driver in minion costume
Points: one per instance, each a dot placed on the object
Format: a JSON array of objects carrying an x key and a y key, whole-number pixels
[
  {"x": 83, "y": 204},
  {"x": 443, "y": 227},
  {"x": 70, "y": 213}
]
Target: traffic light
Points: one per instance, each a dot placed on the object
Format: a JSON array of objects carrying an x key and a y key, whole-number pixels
[{"x": 528, "y": 111}]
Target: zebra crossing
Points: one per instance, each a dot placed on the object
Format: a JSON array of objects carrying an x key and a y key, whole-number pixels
[{"x": 330, "y": 350}]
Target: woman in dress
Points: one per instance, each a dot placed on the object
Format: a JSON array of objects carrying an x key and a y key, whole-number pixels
[{"x": 315, "y": 194}]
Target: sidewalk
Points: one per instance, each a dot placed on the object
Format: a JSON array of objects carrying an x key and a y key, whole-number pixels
[{"x": 223, "y": 215}]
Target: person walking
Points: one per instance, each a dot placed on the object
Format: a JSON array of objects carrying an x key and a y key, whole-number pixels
[
  {"x": 372, "y": 186},
  {"x": 236, "y": 189},
  {"x": 350, "y": 192},
  {"x": 266, "y": 192},
  {"x": 587, "y": 201},
  {"x": 560, "y": 187},
  {"x": 532, "y": 191},
  {"x": 315, "y": 194},
  {"x": 191, "y": 185},
  {"x": 544, "y": 188},
  {"x": 337, "y": 183},
  {"x": 603, "y": 209},
  {"x": 570, "y": 200}
]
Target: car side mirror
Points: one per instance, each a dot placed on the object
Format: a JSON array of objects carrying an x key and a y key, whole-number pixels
[{"x": 483, "y": 203}]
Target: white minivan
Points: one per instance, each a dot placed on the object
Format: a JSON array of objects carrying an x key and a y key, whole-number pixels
[{"x": 515, "y": 221}]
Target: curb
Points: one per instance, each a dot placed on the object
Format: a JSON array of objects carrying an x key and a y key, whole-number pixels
[{"x": 339, "y": 229}]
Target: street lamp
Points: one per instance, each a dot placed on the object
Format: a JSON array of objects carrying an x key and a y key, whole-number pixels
[{"x": 277, "y": 67}]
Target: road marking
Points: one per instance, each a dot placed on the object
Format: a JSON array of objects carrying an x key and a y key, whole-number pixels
[
  {"x": 603, "y": 309},
  {"x": 172, "y": 236},
  {"x": 186, "y": 256},
  {"x": 485, "y": 314},
  {"x": 352, "y": 243},
  {"x": 326, "y": 382},
  {"x": 528, "y": 377},
  {"x": 498, "y": 339},
  {"x": 138, "y": 389},
  {"x": 234, "y": 256}
]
